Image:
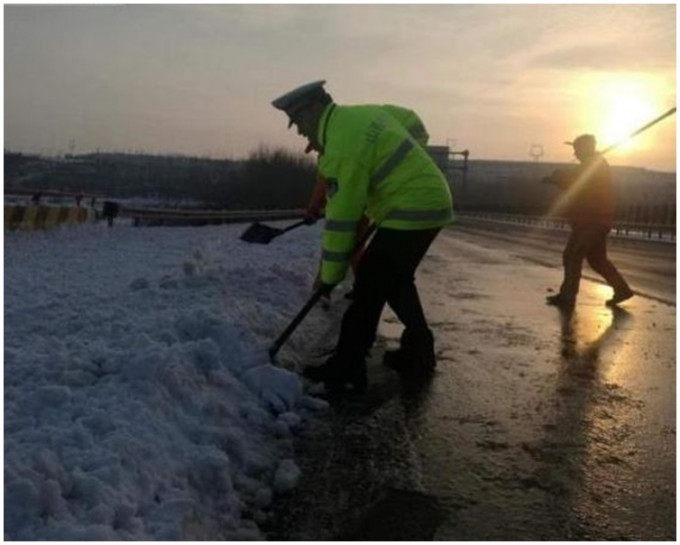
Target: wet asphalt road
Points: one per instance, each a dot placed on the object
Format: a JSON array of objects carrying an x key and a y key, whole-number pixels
[{"x": 537, "y": 425}]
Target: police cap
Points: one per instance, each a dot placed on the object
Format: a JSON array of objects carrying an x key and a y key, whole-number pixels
[{"x": 292, "y": 101}]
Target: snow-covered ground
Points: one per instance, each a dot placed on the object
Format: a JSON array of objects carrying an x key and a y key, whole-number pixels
[{"x": 139, "y": 400}]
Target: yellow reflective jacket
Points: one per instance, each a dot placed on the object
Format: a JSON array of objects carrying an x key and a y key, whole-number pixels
[
  {"x": 410, "y": 121},
  {"x": 373, "y": 166}
]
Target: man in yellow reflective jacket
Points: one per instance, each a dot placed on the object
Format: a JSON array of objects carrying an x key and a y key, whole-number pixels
[
  {"x": 410, "y": 121},
  {"x": 315, "y": 209},
  {"x": 372, "y": 166}
]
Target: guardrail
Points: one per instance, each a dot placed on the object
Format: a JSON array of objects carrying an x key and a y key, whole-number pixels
[
  {"x": 623, "y": 229},
  {"x": 148, "y": 217},
  {"x": 645, "y": 230}
]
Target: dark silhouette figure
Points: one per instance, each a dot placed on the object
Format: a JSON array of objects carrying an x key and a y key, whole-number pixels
[
  {"x": 110, "y": 211},
  {"x": 588, "y": 204}
]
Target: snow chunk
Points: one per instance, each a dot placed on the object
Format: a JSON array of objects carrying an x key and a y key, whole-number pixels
[
  {"x": 313, "y": 403},
  {"x": 287, "y": 476},
  {"x": 280, "y": 388}
]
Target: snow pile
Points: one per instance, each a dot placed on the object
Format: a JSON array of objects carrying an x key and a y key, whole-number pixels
[{"x": 139, "y": 399}]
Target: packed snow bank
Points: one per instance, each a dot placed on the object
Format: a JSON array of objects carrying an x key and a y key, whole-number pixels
[{"x": 139, "y": 399}]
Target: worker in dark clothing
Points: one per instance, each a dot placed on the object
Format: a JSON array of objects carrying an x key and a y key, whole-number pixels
[
  {"x": 588, "y": 204},
  {"x": 110, "y": 211},
  {"x": 373, "y": 167}
]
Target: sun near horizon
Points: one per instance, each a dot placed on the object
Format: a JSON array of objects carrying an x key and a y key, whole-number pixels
[{"x": 618, "y": 105}]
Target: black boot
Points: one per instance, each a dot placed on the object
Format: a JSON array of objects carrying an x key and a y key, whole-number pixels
[
  {"x": 337, "y": 374},
  {"x": 415, "y": 354},
  {"x": 561, "y": 301}
]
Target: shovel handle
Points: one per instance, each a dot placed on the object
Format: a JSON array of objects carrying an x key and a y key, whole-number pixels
[
  {"x": 293, "y": 226},
  {"x": 278, "y": 343}
]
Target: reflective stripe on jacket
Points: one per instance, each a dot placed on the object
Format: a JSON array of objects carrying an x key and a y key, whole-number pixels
[
  {"x": 373, "y": 166},
  {"x": 407, "y": 118}
]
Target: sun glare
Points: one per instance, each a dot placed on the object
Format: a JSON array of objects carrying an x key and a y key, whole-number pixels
[
  {"x": 628, "y": 106},
  {"x": 617, "y": 106}
]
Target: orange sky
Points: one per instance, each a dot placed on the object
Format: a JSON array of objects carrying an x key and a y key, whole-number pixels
[{"x": 198, "y": 80}]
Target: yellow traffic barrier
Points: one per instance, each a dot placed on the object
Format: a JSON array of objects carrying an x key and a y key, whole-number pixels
[
  {"x": 52, "y": 217},
  {"x": 9, "y": 212},
  {"x": 29, "y": 218},
  {"x": 71, "y": 216}
]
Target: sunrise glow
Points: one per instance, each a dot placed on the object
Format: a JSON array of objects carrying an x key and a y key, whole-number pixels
[{"x": 618, "y": 105}]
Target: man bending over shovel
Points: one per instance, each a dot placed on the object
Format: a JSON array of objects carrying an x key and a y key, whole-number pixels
[
  {"x": 372, "y": 167},
  {"x": 315, "y": 209}
]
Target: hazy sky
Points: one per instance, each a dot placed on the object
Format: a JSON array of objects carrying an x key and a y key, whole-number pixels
[{"x": 199, "y": 79}]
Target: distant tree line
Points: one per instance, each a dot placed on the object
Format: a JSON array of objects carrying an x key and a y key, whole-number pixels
[
  {"x": 267, "y": 179},
  {"x": 273, "y": 178}
]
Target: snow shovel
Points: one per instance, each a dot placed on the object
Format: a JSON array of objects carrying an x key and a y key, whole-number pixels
[
  {"x": 278, "y": 343},
  {"x": 260, "y": 233}
]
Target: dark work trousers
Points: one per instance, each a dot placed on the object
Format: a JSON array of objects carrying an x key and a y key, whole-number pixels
[
  {"x": 588, "y": 242},
  {"x": 386, "y": 274}
]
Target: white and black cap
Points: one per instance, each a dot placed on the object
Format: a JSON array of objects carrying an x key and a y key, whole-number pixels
[{"x": 292, "y": 101}]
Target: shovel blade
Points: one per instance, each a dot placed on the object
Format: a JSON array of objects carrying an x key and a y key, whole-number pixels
[{"x": 260, "y": 233}]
